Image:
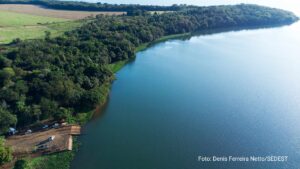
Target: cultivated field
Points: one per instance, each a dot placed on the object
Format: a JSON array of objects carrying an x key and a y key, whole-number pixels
[
  {"x": 37, "y": 10},
  {"x": 16, "y": 19},
  {"x": 25, "y": 26},
  {"x": 31, "y": 21}
]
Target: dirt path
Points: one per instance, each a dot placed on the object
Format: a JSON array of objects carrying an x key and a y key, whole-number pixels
[{"x": 27, "y": 144}]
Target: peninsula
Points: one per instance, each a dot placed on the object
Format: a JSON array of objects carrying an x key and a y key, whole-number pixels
[{"x": 64, "y": 77}]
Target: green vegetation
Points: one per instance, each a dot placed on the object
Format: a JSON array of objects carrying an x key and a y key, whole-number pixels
[
  {"x": 6, "y": 120},
  {"x": 162, "y": 39},
  {"x": 58, "y": 160},
  {"x": 5, "y": 152},
  {"x": 21, "y": 164},
  {"x": 63, "y": 77},
  {"x": 115, "y": 67},
  {"x": 23, "y": 26},
  {"x": 67, "y": 76},
  {"x": 85, "y": 6},
  {"x": 17, "y": 19}
]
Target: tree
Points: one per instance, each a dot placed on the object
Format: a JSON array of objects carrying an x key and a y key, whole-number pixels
[
  {"x": 21, "y": 164},
  {"x": 16, "y": 41},
  {"x": 45, "y": 78},
  {"x": 5, "y": 75},
  {"x": 90, "y": 99},
  {"x": 48, "y": 107},
  {"x": 63, "y": 113},
  {"x": 47, "y": 35},
  {"x": 6, "y": 120},
  {"x": 5, "y": 152},
  {"x": 4, "y": 62}
]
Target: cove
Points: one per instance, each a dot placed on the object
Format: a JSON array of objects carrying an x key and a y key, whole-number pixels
[{"x": 225, "y": 94}]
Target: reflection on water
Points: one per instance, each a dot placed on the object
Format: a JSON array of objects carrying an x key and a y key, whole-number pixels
[{"x": 225, "y": 94}]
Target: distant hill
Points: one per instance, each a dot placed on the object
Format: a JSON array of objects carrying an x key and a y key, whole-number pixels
[{"x": 85, "y": 6}]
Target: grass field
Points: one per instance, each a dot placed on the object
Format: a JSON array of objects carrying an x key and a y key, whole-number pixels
[
  {"x": 31, "y": 21},
  {"x": 24, "y": 26},
  {"x": 39, "y": 11},
  {"x": 16, "y": 19}
]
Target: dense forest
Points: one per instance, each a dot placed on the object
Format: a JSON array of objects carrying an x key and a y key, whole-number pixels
[
  {"x": 85, "y": 6},
  {"x": 63, "y": 76}
]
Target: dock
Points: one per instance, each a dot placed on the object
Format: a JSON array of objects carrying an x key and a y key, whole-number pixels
[{"x": 44, "y": 142}]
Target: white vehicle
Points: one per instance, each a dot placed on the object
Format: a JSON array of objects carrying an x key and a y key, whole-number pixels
[
  {"x": 12, "y": 131},
  {"x": 28, "y": 131},
  {"x": 56, "y": 125}
]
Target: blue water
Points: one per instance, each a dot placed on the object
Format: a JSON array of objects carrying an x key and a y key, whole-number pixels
[{"x": 226, "y": 94}]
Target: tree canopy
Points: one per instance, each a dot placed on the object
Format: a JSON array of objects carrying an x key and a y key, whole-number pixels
[
  {"x": 62, "y": 76},
  {"x": 85, "y": 6},
  {"x": 7, "y": 119},
  {"x": 5, "y": 152}
]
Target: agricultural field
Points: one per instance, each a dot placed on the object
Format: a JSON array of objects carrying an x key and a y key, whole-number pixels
[
  {"x": 40, "y": 11},
  {"x": 31, "y": 21},
  {"x": 24, "y": 26}
]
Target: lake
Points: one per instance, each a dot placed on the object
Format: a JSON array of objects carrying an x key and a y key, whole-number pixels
[{"x": 226, "y": 94}]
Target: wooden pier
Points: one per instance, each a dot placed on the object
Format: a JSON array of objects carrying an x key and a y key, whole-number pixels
[{"x": 30, "y": 144}]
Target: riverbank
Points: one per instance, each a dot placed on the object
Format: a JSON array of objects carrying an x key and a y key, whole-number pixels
[
  {"x": 115, "y": 67},
  {"x": 193, "y": 75},
  {"x": 63, "y": 159},
  {"x": 162, "y": 39},
  {"x": 119, "y": 65}
]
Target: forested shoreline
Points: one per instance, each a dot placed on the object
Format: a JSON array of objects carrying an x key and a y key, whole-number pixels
[
  {"x": 64, "y": 76},
  {"x": 85, "y": 6}
]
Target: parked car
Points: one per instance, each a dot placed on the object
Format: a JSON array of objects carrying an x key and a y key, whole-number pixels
[
  {"x": 11, "y": 131},
  {"x": 56, "y": 125},
  {"x": 45, "y": 127},
  {"x": 28, "y": 132}
]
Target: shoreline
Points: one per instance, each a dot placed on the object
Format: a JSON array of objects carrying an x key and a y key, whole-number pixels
[
  {"x": 66, "y": 158},
  {"x": 115, "y": 67}
]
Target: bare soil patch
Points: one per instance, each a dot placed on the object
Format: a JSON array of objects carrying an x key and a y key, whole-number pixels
[
  {"x": 40, "y": 11},
  {"x": 24, "y": 145}
]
